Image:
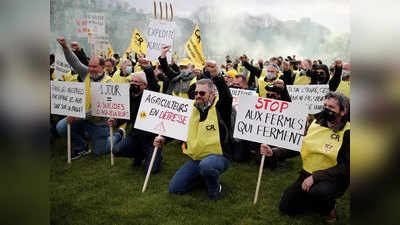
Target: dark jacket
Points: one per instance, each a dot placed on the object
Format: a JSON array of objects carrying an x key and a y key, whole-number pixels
[
  {"x": 135, "y": 103},
  {"x": 254, "y": 72},
  {"x": 336, "y": 79}
]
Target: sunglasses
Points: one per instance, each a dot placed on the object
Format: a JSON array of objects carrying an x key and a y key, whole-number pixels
[{"x": 201, "y": 93}]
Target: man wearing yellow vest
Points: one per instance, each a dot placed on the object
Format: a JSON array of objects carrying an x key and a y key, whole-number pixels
[
  {"x": 340, "y": 81},
  {"x": 180, "y": 81},
  {"x": 325, "y": 155},
  {"x": 96, "y": 128},
  {"x": 208, "y": 137}
]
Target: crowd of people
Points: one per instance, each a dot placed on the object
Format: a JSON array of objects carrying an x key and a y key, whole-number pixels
[{"x": 210, "y": 145}]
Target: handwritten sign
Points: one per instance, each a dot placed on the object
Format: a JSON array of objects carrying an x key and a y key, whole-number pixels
[
  {"x": 110, "y": 100},
  {"x": 164, "y": 114},
  {"x": 236, "y": 93},
  {"x": 68, "y": 98},
  {"x": 61, "y": 65},
  {"x": 96, "y": 22},
  {"x": 159, "y": 33},
  {"x": 271, "y": 122},
  {"x": 311, "y": 95}
]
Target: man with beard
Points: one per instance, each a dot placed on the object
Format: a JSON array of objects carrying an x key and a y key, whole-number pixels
[
  {"x": 180, "y": 81},
  {"x": 208, "y": 137},
  {"x": 96, "y": 127},
  {"x": 325, "y": 157},
  {"x": 138, "y": 144}
]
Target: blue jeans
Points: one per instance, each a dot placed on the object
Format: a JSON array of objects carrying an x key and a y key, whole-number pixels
[
  {"x": 97, "y": 133},
  {"x": 209, "y": 168},
  {"x": 139, "y": 147}
]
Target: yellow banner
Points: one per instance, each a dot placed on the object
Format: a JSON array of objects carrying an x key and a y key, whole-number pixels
[
  {"x": 138, "y": 44},
  {"x": 194, "y": 48},
  {"x": 110, "y": 51}
]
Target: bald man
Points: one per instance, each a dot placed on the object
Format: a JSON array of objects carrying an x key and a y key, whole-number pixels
[{"x": 95, "y": 127}]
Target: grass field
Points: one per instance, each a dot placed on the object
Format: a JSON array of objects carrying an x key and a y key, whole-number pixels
[{"x": 89, "y": 191}]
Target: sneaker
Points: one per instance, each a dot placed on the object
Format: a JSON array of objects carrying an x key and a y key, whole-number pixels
[
  {"x": 216, "y": 197},
  {"x": 331, "y": 218},
  {"x": 85, "y": 152},
  {"x": 75, "y": 155}
]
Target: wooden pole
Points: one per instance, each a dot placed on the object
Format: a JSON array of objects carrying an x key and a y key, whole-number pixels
[
  {"x": 259, "y": 179},
  {"x": 149, "y": 170},
  {"x": 69, "y": 143},
  {"x": 112, "y": 145}
]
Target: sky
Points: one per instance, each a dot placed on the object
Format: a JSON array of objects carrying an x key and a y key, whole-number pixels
[{"x": 334, "y": 14}]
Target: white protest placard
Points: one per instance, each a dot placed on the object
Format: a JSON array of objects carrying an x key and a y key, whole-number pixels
[
  {"x": 271, "y": 122},
  {"x": 236, "y": 93},
  {"x": 68, "y": 98},
  {"x": 100, "y": 44},
  {"x": 61, "y": 65},
  {"x": 96, "y": 22},
  {"x": 310, "y": 95},
  {"x": 159, "y": 34},
  {"x": 110, "y": 100},
  {"x": 165, "y": 115}
]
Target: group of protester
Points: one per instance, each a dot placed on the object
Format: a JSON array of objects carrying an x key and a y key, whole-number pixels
[{"x": 210, "y": 144}]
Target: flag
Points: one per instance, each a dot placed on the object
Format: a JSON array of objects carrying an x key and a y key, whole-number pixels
[
  {"x": 138, "y": 44},
  {"x": 110, "y": 51},
  {"x": 194, "y": 48}
]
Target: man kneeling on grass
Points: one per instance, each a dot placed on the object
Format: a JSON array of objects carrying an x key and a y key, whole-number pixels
[{"x": 208, "y": 137}]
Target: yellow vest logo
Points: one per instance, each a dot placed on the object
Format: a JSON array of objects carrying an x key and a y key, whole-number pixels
[{"x": 210, "y": 127}]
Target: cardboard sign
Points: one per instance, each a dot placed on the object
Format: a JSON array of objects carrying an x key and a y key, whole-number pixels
[
  {"x": 110, "y": 100},
  {"x": 61, "y": 65},
  {"x": 100, "y": 44},
  {"x": 236, "y": 93},
  {"x": 311, "y": 95},
  {"x": 159, "y": 34},
  {"x": 96, "y": 22},
  {"x": 163, "y": 114},
  {"x": 271, "y": 122},
  {"x": 68, "y": 98}
]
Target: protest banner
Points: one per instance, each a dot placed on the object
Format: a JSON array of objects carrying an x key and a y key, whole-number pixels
[
  {"x": 159, "y": 34},
  {"x": 96, "y": 22},
  {"x": 68, "y": 99},
  {"x": 101, "y": 44},
  {"x": 164, "y": 115},
  {"x": 310, "y": 95},
  {"x": 61, "y": 65},
  {"x": 81, "y": 27},
  {"x": 110, "y": 100},
  {"x": 236, "y": 93},
  {"x": 194, "y": 49},
  {"x": 271, "y": 122}
]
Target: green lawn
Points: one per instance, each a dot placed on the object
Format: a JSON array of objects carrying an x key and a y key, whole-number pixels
[{"x": 89, "y": 191}]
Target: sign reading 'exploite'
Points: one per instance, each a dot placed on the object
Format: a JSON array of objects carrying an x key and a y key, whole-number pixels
[
  {"x": 164, "y": 114},
  {"x": 68, "y": 98},
  {"x": 110, "y": 100},
  {"x": 159, "y": 34},
  {"x": 312, "y": 96},
  {"x": 271, "y": 122}
]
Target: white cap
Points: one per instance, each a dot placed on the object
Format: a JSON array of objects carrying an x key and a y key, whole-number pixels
[{"x": 141, "y": 75}]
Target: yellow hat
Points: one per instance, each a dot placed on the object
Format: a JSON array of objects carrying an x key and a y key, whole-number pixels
[
  {"x": 184, "y": 62},
  {"x": 231, "y": 73}
]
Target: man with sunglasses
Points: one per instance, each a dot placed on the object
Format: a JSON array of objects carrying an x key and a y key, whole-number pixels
[{"x": 208, "y": 138}]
